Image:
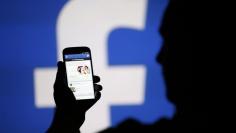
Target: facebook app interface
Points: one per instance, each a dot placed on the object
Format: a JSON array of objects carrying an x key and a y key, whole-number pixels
[{"x": 79, "y": 75}]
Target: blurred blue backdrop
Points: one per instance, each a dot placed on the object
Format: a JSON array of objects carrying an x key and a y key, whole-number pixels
[{"x": 28, "y": 40}]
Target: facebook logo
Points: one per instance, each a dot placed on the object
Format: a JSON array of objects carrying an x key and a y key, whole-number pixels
[{"x": 124, "y": 40}]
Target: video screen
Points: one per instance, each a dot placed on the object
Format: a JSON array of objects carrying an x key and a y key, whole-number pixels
[{"x": 79, "y": 75}]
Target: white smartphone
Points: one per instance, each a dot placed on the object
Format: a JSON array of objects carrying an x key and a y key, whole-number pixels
[{"x": 79, "y": 71}]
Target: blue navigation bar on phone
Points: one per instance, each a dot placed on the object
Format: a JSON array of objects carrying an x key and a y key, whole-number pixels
[{"x": 77, "y": 56}]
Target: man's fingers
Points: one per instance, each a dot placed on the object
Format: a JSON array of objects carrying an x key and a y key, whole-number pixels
[
  {"x": 61, "y": 67},
  {"x": 60, "y": 77},
  {"x": 96, "y": 79},
  {"x": 60, "y": 71},
  {"x": 97, "y": 87},
  {"x": 97, "y": 95}
]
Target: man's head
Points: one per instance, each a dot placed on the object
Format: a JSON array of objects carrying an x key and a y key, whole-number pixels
[{"x": 175, "y": 56}]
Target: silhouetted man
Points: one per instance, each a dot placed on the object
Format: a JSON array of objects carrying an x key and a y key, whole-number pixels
[{"x": 176, "y": 60}]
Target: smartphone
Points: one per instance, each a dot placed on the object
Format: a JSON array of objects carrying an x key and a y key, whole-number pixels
[{"x": 79, "y": 72}]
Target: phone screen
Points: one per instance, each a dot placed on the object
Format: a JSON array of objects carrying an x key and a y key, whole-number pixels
[{"x": 79, "y": 75}]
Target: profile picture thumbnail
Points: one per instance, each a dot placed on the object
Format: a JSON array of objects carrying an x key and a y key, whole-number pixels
[{"x": 83, "y": 70}]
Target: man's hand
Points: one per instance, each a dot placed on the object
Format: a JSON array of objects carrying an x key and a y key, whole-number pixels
[{"x": 70, "y": 113}]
